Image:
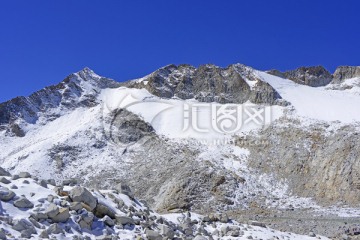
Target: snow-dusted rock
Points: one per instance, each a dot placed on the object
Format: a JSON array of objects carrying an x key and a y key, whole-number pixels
[
  {"x": 23, "y": 202},
  {"x": 54, "y": 229},
  {"x": 152, "y": 235},
  {"x": 3, "y": 172},
  {"x": 24, "y": 175},
  {"x": 4, "y": 180},
  {"x": 5, "y": 194},
  {"x": 81, "y": 194},
  {"x": 123, "y": 220},
  {"x": 52, "y": 210},
  {"x": 102, "y": 210},
  {"x": 62, "y": 216}
]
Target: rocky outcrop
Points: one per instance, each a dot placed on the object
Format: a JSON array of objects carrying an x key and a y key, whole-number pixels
[
  {"x": 315, "y": 163},
  {"x": 311, "y": 76},
  {"x": 77, "y": 90},
  {"x": 346, "y": 72},
  {"x": 208, "y": 83}
]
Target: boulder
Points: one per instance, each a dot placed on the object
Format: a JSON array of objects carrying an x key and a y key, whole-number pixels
[
  {"x": 4, "y": 180},
  {"x": 54, "y": 229},
  {"x": 23, "y": 224},
  {"x": 224, "y": 218},
  {"x": 24, "y": 175},
  {"x": 6, "y": 195},
  {"x": 75, "y": 206},
  {"x": 85, "y": 220},
  {"x": 102, "y": 210},
  {"x": 167, "y": 232},
  {"x": 27, "y": 233},
  {"x": 44, "y": 234},
  {"x": 23, "y": 202},
  {"x": 43, "y": 183},
  {"x": 81, "y": 194},
  {"x": 62, "y": 216},
  {"x": 108, "y": 221},
  {"x": 3, "y": 172},
  {"x": 152, "y": 235},
  {"x": 52, "y": 210},
  {"x": 123, "y": 220},
  {"x": 38, "y": 216},
  {"x": 15, "y": 177}
]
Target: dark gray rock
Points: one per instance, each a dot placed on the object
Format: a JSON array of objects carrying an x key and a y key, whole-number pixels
[
  {"x": 23, "y": 202},
  {"x": 4, "y": 173},
  {"x": 312, "y": 76},
  {"x": 6, "y": 195},
  {"x": 207, "y": 83}
]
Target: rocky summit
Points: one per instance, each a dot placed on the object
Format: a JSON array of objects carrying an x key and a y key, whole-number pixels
[{"x": 184, "y": 153}]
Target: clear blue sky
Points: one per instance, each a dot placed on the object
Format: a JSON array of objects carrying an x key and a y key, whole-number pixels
[{"x": 41, "y": 42}]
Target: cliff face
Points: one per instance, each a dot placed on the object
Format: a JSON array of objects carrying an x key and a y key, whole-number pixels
[
  {"x": 312, "y": 76},
  {"x": 346, "y": 72},
  {"x": 208, "y": 83}
]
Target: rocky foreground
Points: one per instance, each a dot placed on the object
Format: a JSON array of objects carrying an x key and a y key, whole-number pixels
[{"x": 31, "y": 208}]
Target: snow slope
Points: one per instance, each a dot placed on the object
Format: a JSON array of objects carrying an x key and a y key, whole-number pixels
[{"x": 320, "y": 103}]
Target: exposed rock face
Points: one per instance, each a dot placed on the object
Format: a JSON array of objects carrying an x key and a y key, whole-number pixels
[
  {"x": 315, "y": 163},
  {"x": 126, "y": 127},
  {"x": 346, "y": 72},
  {"x": 208, "y": 83},
  {"x": 77, "y": 90},
  {"x": 312, "y": 76}
]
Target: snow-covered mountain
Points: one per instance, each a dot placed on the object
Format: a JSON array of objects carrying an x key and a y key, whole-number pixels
[{"x": 204, "y": 139}]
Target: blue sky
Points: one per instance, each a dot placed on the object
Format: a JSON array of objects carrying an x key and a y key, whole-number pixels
[{"x": 41, "y": 42}]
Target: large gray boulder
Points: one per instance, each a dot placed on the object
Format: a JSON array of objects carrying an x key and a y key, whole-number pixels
[
  {"x": 52, "y": 210},
  {"x": 62, "y": 216},
  {"x": 23, "y": 202},
  {"x": 167, "y": 231},
  {"x": 23, "y": 224},
  {"x": 54, "y": 229},
  {"x": 81, "y": 194},
  {"x": 103, "y": 210},
  {"x": 5, "y": 194},
  {"x": 152, "y": 235},
  {"x": 123, "y": 220}
]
